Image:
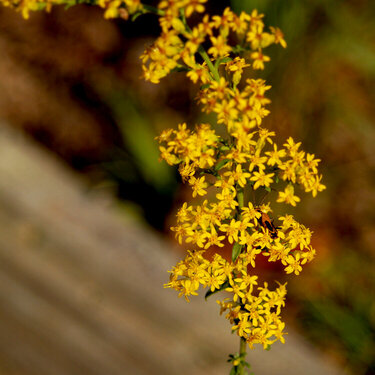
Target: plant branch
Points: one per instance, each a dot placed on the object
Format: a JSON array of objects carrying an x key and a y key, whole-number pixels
[
  {"x": 206, "y": 58},
  {"x": 241, "y": 366}
]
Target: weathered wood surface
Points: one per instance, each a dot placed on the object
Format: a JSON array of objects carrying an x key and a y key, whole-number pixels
[{"x": 81, "y": 287}]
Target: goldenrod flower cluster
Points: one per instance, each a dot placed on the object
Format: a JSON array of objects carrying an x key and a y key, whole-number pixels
[
  {"x": 227, "y": 169},
  {"x": 25, "y": 6},
  {"x": 178, "y": 44},
  {"x": 224, "y": 170},
  {"x": 254, "y": 315},
  {"x": 113, "y": 8}
]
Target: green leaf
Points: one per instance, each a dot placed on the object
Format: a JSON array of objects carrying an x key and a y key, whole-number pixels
[
  {"x": 139, "y": 138},
  {"x": 221, "y": 164},
  {"x": 226, "y": 59},
  {"x": 236, "y": 251},
  {"x": 223, "y": 60},
  {"x": 206, "y": 86},
  {"x": 136, "y": 15},
  {"x": 267, "y": 189},
  {"x": 233, "y": 371},
  {"x": 238, "y": 48},
  {"x": 181, "y": 68},
  {"x": 41, "y": 6},
  {"x": 222, "y": 287}
]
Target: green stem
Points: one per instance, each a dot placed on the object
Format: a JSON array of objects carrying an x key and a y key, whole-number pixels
[
  {"x": 240, "y": 199},
  {"x": 206, "y": 58},
  {"x": 183, "y": 19},
  {"x": 151, "y": 9},
  {"x": 201, "y": 50},
  {"x": 241, "y": 366}
]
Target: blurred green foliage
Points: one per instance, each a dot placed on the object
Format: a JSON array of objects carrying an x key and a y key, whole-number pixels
[
  {"x": 139, "y": 139},
  {"x": 141, "y": 178}
]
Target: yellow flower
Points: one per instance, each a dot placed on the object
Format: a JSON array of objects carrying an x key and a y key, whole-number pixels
[
  {"x": 255, "y": 18},
  {"x": 177, "y": 25},
  {"x": 288, "y": 196},
  {"x": 219, "y": 47},
  {"x": 240, "y": 23},
  {"x": 231, "y": 230},
  {"x": 250, "y": 213},
  {"x": 244, "y": 140},
  {"x": 315, "y": 186},
  {"x": 227, "y": 197},
  {"x": 291, "y": 146},
  {"x": 243, "y": 327},
  {"x": 133, "y": 5},
  {"x": 237, "y": 156},
  {"x": 261, "y": 179},
  {"x": 277, "y": 251},
  {"x": 278, "y": 333},
  {"x": 194, "y": 6},
  {"x": 275, "y": 156},
  {"x": 205, "y": 26},
  {"x": 223, "y": 22},
  {"x": 238, "y": 290},
  {"x": 293, "y": 264},
  {"x": 187, "y": 170},
  {"x": 299, "y": 236},
  {"x": 112, "y": 9},
  {"x": 236, "y": 66},
  {"x": 184, "y": 213},
  {"x": 250, "y": 255},
  {"x": 195, "y": 38},
  {"x": 258, "y": 38},
  {"x": 288, "y": 171},
  {"x": 215, "y": 280},
  {"x": 312, "y": 163},
  {"x": 265, "y": 136},
  {"x": 246, "y": 280},
  {"x": 199, "y": 73},
  {"x": 181, "y": 232},
  {"x": 213, "y": 239},
  {"x": 237, "y": 176},
  {"x": 226, "y": 111},
  {"x": 264, "y": 241},
  {"x": 279, "y": 36},
  {"x": 257, "y": 161},
  {"x": 259, "y": 60},
  {"x": 165, "y": 153}
]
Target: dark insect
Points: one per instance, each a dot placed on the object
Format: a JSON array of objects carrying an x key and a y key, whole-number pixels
[{"x": 267, "y": 223}]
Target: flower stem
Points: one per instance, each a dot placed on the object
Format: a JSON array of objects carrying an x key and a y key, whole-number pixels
[
  {"x": 151, "y": 9},
  {"x": 241, "y": 366},
  {"x": 206, "y": 58},
  {"x": 240, "y": 199}
]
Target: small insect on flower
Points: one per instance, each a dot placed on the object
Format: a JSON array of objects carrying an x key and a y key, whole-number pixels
[{"x": 267, "y": 223}]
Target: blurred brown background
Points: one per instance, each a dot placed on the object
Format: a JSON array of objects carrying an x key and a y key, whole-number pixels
[{"x": 71, "y": 81}]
